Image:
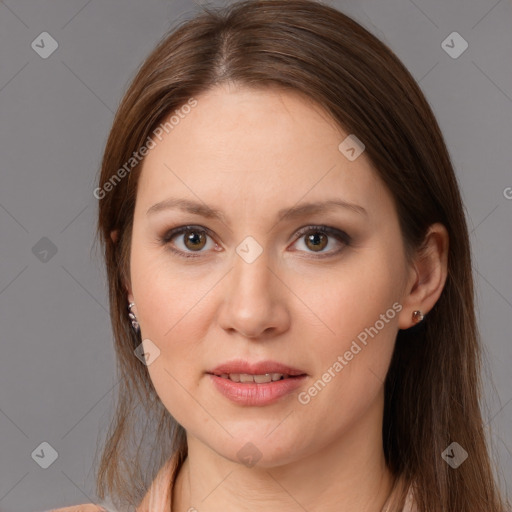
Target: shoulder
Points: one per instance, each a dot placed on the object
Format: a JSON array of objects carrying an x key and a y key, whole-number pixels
[{"x": 86, "y": 507}]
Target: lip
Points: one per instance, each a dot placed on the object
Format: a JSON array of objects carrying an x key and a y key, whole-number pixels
[
  {"x": 253, "y": 394},
  {"x": 260, "y": 368}
]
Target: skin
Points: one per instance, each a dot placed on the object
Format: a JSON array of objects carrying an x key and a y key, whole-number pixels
[{"x": 249, "y": 153}]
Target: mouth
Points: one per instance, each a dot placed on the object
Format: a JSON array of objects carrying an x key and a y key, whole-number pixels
[{"x": 256, "y": 384}]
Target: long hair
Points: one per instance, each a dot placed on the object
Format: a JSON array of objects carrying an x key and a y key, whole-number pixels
[{"x": 433, "y": 386}]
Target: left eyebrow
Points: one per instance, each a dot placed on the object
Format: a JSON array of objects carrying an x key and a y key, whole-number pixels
[{"x": 302, "y": 210}]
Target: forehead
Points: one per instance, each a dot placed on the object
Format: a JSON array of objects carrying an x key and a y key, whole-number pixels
[{"x": 255, "y": 146}]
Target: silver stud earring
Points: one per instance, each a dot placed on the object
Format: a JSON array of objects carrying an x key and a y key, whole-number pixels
[
  {"x": 417, "y": 316},
  {"x": 133, "y": 318}
]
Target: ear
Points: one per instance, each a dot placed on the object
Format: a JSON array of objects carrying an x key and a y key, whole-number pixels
[
  {"x": 114, "y": 235},
  {"x": 427, "y": 276}
]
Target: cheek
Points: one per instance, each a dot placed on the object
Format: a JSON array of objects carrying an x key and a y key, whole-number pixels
[
  {"x": 351, "y": 299},
  {"x": 358, "y": 305},
  {"x": 173, "y": 320},
  {"x": 168, "y": 300},
  {"x": 176, "y": 393},
  {"x": 168, "y": 308},
  {"x": 351, "y": 366}
]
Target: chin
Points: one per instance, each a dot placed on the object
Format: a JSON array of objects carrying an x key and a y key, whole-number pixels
[{"x": 260, "y": 450}]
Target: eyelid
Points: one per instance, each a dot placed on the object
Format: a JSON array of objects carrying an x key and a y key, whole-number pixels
[
  {"x": 171, "y": 233},
  {"x": 328, "y": 230}
]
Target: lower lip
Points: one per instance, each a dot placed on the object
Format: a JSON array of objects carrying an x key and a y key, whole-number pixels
[{"x": 250, "y": 393}]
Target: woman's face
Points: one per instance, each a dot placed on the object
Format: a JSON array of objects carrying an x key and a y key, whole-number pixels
[{"x": 253, "y": 285}]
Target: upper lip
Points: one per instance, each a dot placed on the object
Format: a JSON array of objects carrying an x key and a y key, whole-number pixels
[{"x": 260, "y": 368}]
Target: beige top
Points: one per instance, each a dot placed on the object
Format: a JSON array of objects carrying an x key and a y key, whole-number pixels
[{"x": 158, "y": 497}]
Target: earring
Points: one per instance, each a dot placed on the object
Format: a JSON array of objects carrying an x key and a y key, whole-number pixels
[
  {"x": 417, "y": 316},
  {"x": 133, "y": 318}
]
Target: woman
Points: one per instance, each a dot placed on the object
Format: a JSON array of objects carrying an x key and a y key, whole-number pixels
[{"x": 290, "y": 278}]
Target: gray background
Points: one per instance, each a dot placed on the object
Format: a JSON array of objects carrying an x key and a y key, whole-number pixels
[{"x": 57, "y": 367}]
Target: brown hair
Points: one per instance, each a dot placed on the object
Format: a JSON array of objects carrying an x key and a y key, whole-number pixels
[{"x": 433, "y": 387}]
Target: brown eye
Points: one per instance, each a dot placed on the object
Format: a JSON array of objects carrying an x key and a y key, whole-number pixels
[
  {"x": 194, "y": 239},
  {"x": 316, "y": 241},
  {"x": 187, "y": 240}
]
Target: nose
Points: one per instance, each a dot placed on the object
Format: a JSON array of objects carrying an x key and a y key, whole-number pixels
[{"x": 255, "y": 299}]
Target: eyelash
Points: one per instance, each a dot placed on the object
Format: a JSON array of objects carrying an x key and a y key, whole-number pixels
[{"x": 327, "y": 230}]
